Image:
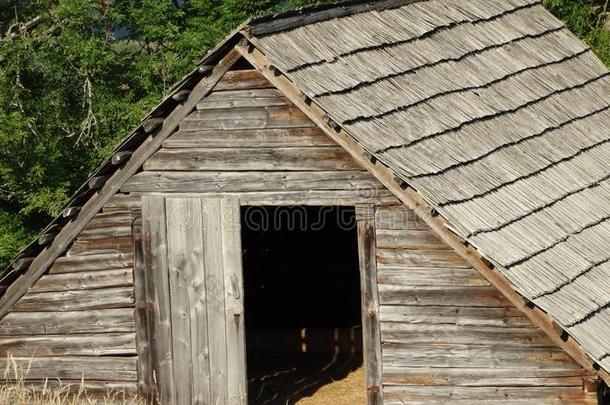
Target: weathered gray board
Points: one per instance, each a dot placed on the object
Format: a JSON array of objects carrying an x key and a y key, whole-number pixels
[
  {"x": 76, "y": 323},
  {"x": 448, "y": 336},
  {"x": 246, "y": 140},
  {"x": 193, "y": 256},
  {"x": 370, "y": 303}
]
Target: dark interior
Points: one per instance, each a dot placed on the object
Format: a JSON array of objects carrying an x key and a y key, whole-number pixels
[
  {"x": 603, "y": 393},
  {"x": 302, "y": 300}
]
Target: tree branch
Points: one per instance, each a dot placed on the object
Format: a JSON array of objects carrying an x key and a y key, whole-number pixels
[
  {"x": 20, "y": 29},
  {"x": 90, "y": 121}
]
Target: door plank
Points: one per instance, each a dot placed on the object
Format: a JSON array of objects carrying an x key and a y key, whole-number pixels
[
  {"x": 181, "y": 214},
  {"x": 215, "y": 287},
  {"x": 233, "y": 279},
  {"x": 155, "y": 259},
  {"x": 200, "y": 262}
]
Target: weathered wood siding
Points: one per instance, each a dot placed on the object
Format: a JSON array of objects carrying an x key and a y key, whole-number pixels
[
  {"x": 246, "y": 140},
  {"x": 77, "y": 321},
  {"x": 448, "y": 336}
]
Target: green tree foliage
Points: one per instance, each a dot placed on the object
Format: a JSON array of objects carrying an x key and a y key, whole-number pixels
[
  {"x": 588, "y": 20},
  {"x": 77, "y": 75}
]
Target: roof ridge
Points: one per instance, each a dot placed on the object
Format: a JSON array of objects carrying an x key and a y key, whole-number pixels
[{"x": 288, "y": 20}]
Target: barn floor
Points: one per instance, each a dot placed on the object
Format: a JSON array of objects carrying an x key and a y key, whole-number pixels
[{"x": 306, "y": 379}]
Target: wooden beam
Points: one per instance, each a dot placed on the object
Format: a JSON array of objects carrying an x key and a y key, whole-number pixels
[
  {"x": 203, "y": 69},
  {"x": 88, "y": 344},
  {"x": 76, "y": 300},
  {"x": 99, "y": 389},
  {"x": 22, "y": 264},
  {"x": 105, "y": 368},
  {"x": 96, "y": 183},
  {"x": 415, "y": 202},
  {"x": 68, "y": 322},
  {"x": 121, "y": 157},
  {"x": 70, "y": 212},
  {"x": 181, "y": 95},
  {"x": 146, "y": 382},
  {"x": 84, "y": 280},
  {"x": 365, "y": 216},
  {"x": 46, "y": 258},
  {"x": 153, "y": 123},
  {"x": 47, "y": 238}
]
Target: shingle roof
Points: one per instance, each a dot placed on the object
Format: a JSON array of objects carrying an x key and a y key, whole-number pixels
[{"x": 496, "y": 114}]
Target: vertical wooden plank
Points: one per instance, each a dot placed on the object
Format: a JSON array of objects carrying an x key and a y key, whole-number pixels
[
  {"x": 184, "y": 259},
  {"x": 197, "y": 297},
  {"x": 215, "y": 301},
  {"x": 365, "y": 216},
  {"x": 146, "y": 386},
  {"x": 155, "y": 260},
  {"x": 234, "y": 304}
]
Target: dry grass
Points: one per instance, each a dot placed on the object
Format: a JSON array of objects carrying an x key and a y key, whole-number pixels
[
  {"x": 347, "y": 391},
  {"x": 18, "y": 391},
  {"x": 20, "y": 394}
]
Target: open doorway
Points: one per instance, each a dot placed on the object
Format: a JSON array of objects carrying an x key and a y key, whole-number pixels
[{"x": 302, "y": 305}]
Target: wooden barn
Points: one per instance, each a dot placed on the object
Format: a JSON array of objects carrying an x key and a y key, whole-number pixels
[{"x": 443, "y": 168}]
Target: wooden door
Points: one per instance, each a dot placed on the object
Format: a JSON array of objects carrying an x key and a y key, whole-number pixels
[{"x": 192, "y": 257}]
